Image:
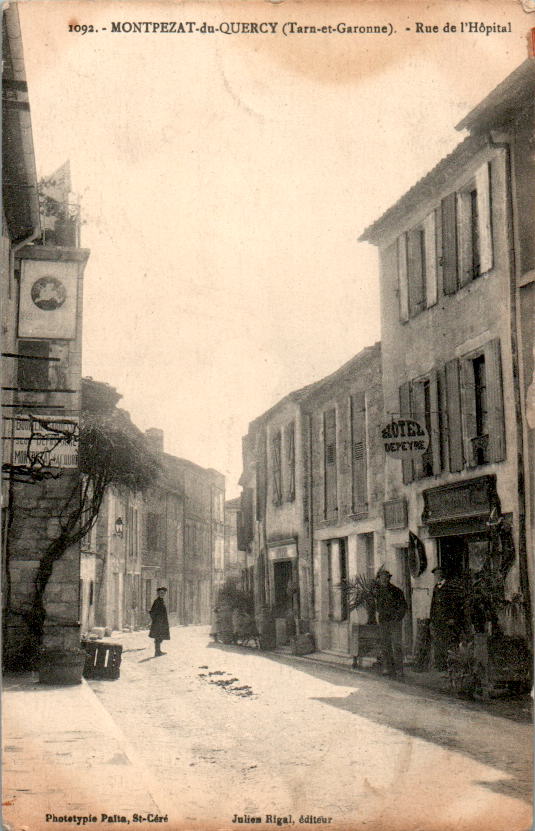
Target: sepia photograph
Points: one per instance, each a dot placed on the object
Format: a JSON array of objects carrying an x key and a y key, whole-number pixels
[{"x": 268, "y": 414}]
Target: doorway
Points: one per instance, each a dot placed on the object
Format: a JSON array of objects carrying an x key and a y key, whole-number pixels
[
  {"x": 282, "y": 578},
  {"x": 453, "y": 556}
]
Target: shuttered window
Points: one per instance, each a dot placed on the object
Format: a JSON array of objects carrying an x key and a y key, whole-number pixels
[
  {"x": 449, "y": 244},
  {"x": 261, "y": 477},
  {"x": 290, "y": 461},
  {"x": 329, "y": 440},
  {"x": 359, "y": 464},
  {"x": 454, "y": 417},
  {"x": 416, "y": 270},
  {"x": 276, "y": 468},
  {"x": 402, "y": 278},
  {"x": 482, "y": 406}
]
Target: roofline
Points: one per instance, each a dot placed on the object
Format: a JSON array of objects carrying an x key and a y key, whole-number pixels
[
  {"x": 500, "y": 104},
  {"x": 425, "y": 187}
]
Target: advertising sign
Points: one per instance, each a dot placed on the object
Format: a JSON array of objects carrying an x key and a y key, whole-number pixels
[
  {"x": 48, "y": 298},
  {"x": 404, "y": 438},
  {"x": 47, "y": 441}
]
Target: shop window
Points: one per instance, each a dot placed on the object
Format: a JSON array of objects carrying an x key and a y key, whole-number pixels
[{"x": 276, "y": 467}]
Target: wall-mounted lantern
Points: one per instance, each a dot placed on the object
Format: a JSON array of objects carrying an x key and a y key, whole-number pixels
[{"x": 119, "y": 526}]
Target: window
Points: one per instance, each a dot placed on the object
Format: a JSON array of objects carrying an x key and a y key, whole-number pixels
[
  {"x": 33, "y": 373},
  {"x": 276, "y": 467},
  {"x": 417, "y": 268},
  {"x": 153, "y": 530},
  {"x": 329, "y": 453},
  {"x": 482, "y": 406},
  {"x": 359, "y": 464},
  {"x": 467, "y": 249},
  {"x": 289, "y": 437},
  {"x": 420, "y": 399}
]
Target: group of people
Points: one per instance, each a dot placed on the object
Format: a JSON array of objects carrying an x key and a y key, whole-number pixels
[
  {"x": 447, "y": 617},
  {"x": 446, "y": 620}
]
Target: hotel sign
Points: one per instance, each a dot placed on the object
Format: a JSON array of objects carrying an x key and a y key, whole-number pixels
[
  {"x": 404, "y": 438},
  {"x": 48, "y": 299}
]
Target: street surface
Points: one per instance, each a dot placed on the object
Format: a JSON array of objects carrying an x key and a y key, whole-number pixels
[{"x": 232, "y": 732}]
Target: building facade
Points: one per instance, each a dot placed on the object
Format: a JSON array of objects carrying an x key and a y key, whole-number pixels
[
  {"x": 448, "y": 359},
  {"x": 41, "y": 294},
  {"x": 346, "y": 483}
]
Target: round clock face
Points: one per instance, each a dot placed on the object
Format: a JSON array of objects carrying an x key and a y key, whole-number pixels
[{"x": 48, "y": 293}]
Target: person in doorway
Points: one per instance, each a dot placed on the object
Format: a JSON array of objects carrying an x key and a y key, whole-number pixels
[
  {"x": 391, "y": 608},
  {"x": 159, "y": 629},
  {"x": 447, "y": 616}
]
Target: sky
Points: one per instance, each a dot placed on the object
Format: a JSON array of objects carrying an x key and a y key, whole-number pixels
[{"x": 225, "y": 179}]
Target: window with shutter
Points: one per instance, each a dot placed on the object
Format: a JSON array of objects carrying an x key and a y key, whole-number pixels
[
  {"x": 359, "y": 453},
  {"x": 454, "y": 425},
  {"x": 430, "y": 235},
  {"x": 329, "y": 438},
  {"x": 290, "y": 461},
  {"x": 276, "y": 466},
  {"x": 449, "y": 243},
  {"x": 416, "y": 268},
  {"x": 261, "y": 477},
  {"x": 402, "y": 278},
  {"x": 482, "y": 406}
]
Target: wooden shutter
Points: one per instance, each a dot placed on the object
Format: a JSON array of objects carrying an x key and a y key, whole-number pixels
[
  {"x": 449, "y": 244},
  {"x": 484, "y": 206},
  {"x": 443, "y": 419},
  {"x": 493, "y": 366},
  {"x": 276, "y": 468},
  {"x": 261, "y": 477},
  {"x": 435, "y": 422},
  {"x": 455, "y": 435},
  {"x": 329, "y": 438},
  {"x": 290, "y": 459},
  {"x": 359, "y": 462},
  {"x": 468, "y": 409},
  {"x": 418, "y": 412},
  {"x": 405, "y": 412},
  {"x": 430, "y": 259},
  {"x": 402, "y": 278},
  {"x": 416, "y": 271}
]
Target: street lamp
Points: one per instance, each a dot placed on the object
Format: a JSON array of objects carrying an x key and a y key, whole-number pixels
[{"x": 119, "y": 526}]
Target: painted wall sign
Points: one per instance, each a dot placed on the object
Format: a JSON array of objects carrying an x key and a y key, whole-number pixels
[
  {"x": 404, "y": 438},
  {"x": 48, "y": 299},
  {"x": 47, "y": 441}
]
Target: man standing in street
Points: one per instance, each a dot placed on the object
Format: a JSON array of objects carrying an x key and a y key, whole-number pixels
[
  {"x": 159, "y": 629},
  {"x": 447, "y": 617},
  {"x": 391, "y": 608}
]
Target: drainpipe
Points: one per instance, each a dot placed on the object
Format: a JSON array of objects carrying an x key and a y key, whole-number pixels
[{"x": 503, "y": 141}]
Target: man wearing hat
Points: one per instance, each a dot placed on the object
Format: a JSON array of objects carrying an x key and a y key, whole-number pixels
[
  {"x": 159, "y": 629},
  {"x": 391, "y": 608},
  {"x": 447, "y": 616}
]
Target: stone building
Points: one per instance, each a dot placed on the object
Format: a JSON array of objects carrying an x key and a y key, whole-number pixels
[
  {"x": 231, "y": 562},
  {"x": 312, "y": 499},
  {"x": 507, "y": 116},
  {"x": 345, "y": 475},
  {"x": 449, "y": 358},
  {"x": 41, "y": 293}
]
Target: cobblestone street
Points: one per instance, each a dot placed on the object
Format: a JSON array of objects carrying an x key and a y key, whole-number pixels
[{"x": 229, "y": 731}]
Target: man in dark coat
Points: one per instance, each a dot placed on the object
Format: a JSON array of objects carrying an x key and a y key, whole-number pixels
[
  {"x": 391, "y": 608},
  {"x": 447, "y": 616},
  {"x": 159, "y": 629}
]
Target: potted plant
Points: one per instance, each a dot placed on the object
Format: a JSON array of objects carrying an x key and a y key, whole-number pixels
[
  {"x": 360, "y": 591},
  {"x": 61, "y": 665}
]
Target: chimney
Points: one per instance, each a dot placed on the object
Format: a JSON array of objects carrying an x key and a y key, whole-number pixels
[{"x": 154, "y": 437}]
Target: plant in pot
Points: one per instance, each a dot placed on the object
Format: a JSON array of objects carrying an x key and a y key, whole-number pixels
[{"x": 361, "y": 591}]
